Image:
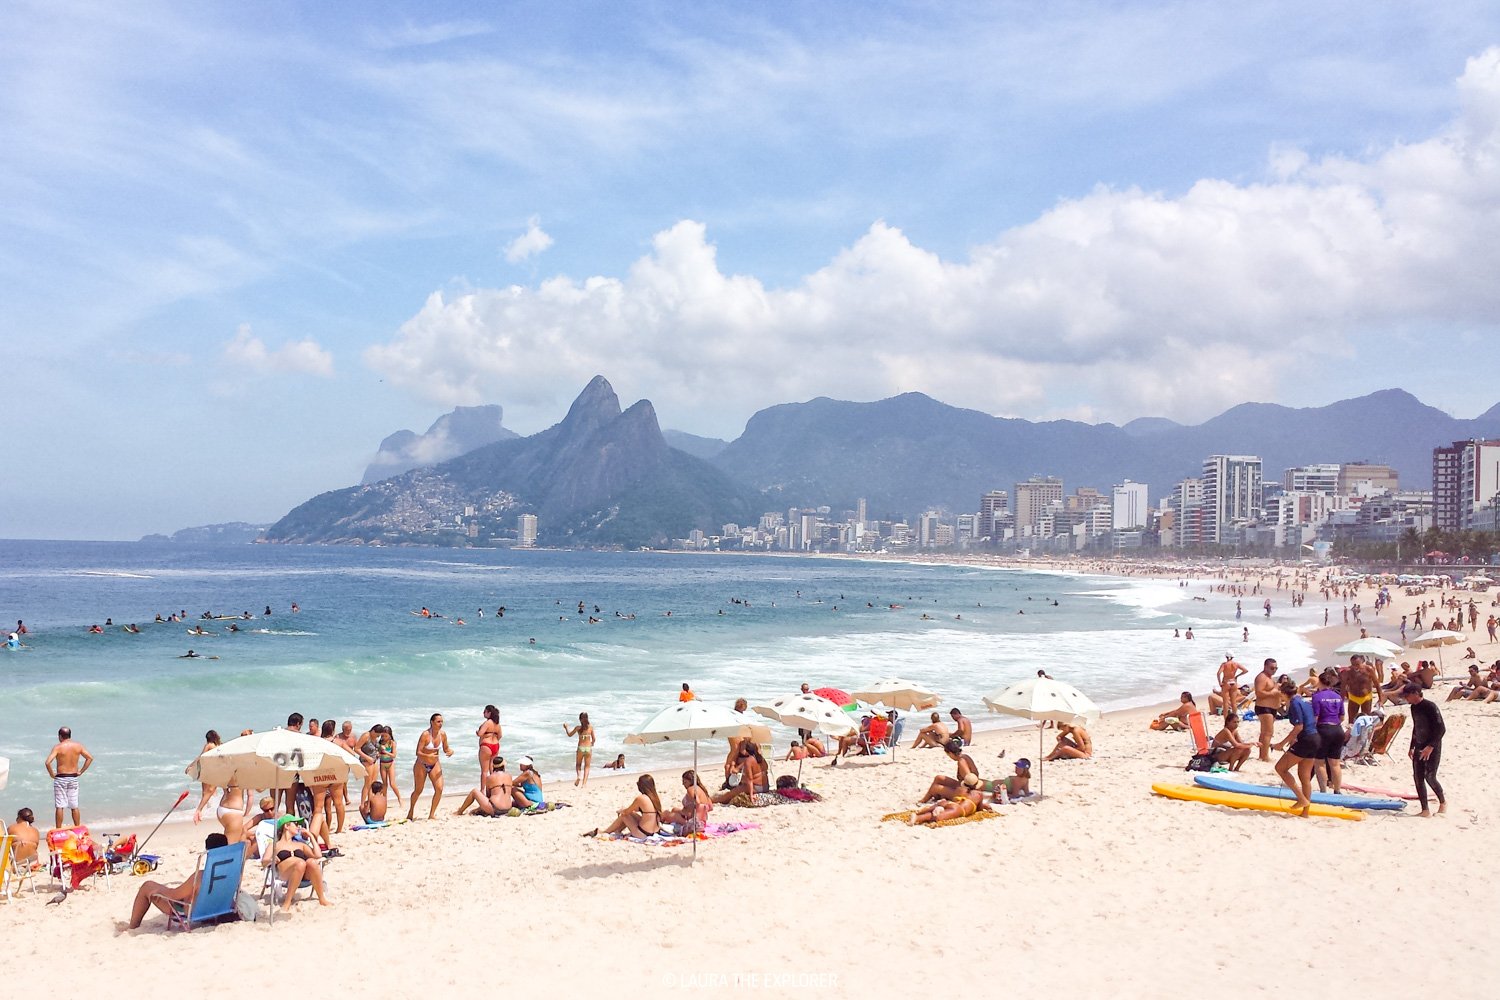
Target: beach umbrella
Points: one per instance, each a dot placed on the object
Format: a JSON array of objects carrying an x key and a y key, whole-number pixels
[
  {"x": 811, "y": 712},
  {"x": 692, "y": 721},
  {"x": 1478, "y": 578},
  {"x": 1043, "y": 700},
  {"x": 906, "y": 696},
  {"x": 839, "y": 697},
  {"x": 1374, "y": 646},
  {"x": 1437, "y": 638},
  {"x": 276, "y": 758},
  {"x": 4, "y": 772}
]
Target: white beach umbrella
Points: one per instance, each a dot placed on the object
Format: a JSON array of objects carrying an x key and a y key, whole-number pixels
[
  {"x": 691, "y": 721},
  {"x": 4, "y": 772},
  {"x": 1042, "y": 700},
  {"x": 811, "y": 712},
  {"x": 893, "y": 692},
  {"x": 1374, "y": 646},
  {"x": 276, "y": 758},
  {"x": 1438, "y": 637}
]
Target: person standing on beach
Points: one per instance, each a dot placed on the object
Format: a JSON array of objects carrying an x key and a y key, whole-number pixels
[
  {"x": 1305, "y": 748},
  {"x": 1426, "y": 751},
  {"x": 584, "y": 755},
  {"x": 1267, "y": 701},
  {"x": 427, "y": 766},
  {"x": 1230, "y": 672},
  {"x": 65, "y": 765},
  {"x": 1359, "y": 687},
  {"x": 489, "y": 733}
]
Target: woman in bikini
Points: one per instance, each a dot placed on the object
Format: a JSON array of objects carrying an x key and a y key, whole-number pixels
[
  {"x": 430, "y": 743},
  {"x": 231, "y": 813},
  {"x": 385, "y": 746},
  {"x": 329, "y": 797},
  {"x": 944, "y": 787},
  {"x": 296, "y": 858},
  {"x": 641, "y": 818},
  {"x": 210, "y": 740},
  {"x": 494, "y": 795},
  {"x": 966, "y": 804},
  {"x": 489, "y": 740},
  {"x": 585, "y": 752},
  {"x": 366, "y": 747},
  {"x": 695, "y": 797}
]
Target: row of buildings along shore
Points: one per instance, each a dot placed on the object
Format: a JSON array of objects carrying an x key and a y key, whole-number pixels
[{"x": 1230, "y": 504}]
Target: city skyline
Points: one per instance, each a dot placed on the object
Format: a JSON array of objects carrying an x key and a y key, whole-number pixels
[{"x": 241, "y": 246}]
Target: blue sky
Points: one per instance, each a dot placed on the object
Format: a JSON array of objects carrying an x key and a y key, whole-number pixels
[{"x": 241, "y": 244}]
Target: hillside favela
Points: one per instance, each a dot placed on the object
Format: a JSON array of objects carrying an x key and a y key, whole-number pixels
[{"x": 723, "y": 500}]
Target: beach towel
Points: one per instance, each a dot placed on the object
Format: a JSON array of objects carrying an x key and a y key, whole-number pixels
[
  {"x": 786, "y": 797},
  {"x": 712, "y": 831},
  {"x": 533, "y": 811},
  {"x": 905, "y": 817}
]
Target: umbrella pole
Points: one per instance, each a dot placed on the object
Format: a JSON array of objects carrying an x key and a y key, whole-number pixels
[
  {"x": 1041, "y": 764},
  {"x": 698, "y": 780}
]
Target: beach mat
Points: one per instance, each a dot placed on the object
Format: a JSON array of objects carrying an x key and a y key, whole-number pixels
[
  {"x": 713, "y": 831},
  {"x": 905, "y": 817}
]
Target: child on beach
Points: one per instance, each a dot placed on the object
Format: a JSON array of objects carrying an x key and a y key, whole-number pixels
[{"x": 373, "y": 806}]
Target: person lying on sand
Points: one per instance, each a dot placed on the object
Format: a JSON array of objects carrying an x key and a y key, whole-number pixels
[
  {"x": 967, "y": 804},
  {"x": 618, "y": 764}
]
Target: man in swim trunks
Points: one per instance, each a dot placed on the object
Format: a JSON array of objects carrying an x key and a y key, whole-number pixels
[
  {"x": 963, "y": 729},
  {"x": 1359, "y": 687},
  {"x": 65, "y": 764},
  {"x": 1267, "y": 703}
]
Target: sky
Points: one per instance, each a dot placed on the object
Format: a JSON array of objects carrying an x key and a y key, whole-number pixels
[{"x": 241, "y": 244}]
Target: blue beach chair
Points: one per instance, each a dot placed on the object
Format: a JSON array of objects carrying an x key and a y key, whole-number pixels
[{"x": 218, "y": 888}]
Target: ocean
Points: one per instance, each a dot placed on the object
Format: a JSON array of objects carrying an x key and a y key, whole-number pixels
[{"x": 740, "y": 625}]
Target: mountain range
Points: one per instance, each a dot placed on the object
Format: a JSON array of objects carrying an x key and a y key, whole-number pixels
[{"x": 613, "y": 477}]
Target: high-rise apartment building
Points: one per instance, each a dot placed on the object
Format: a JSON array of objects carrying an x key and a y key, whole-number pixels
[
  {"x": 1465, "y": 477},
  {"x": 1382, "y": 478},
  {"x": 994, "y": 508},
  {"x": 526, "y": 531},
  {"x": 1311, "y": 479},
  {"x": 1186, "y": 504},
  {"x": 1129, "y": 509},
  {"x": 1033, "y": 497},
  {"x": 1231, "y": 495}
]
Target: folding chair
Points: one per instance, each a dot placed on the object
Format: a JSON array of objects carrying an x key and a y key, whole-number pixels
[
  {"x": 1203, "y": 749},
  {"x": 1385, "y": 735},
  {"x": 265, "y": 840},
  {"x": 74, "y": 857},
  {"x": 218, "y": 888},
  {"x": 12, "y": 873}
]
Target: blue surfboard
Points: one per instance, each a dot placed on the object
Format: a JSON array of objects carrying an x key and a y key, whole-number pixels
[{"x": 1222, "y": 784}]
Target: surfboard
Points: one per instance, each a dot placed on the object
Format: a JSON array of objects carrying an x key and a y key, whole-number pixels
[
  {"x": 1235, "y": 800},
  {"x": 203, "y": 635},
  {"x": 1408, "y": 796},
  {"x": 1220, "y": 783}
]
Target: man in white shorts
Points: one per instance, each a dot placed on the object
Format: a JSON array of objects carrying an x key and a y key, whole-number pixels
[{"x": 66, "y": 763}]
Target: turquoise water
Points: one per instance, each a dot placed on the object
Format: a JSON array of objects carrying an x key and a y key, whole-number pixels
[{"x": 355, "y": 652}]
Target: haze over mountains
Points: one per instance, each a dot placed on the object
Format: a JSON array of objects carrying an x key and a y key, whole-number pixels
[{"x": 607, "y": 476}]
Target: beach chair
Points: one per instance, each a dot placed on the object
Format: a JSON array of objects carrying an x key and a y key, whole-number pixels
[
  {"x": 1202, "y": 758},
  {"x": 265, "y": 838},
  {"x": 74, "y": 857},
  {"x": 1385, "y": 735},
  {"x": 13, "y": 874},
  {"x": 218, "y": 888},
  {"x": 1361, "y": 734}
]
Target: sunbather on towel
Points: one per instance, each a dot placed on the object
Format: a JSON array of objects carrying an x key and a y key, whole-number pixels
[
  {"x": 642, "y": 817},
  {"x": 944, "y": 787},
  {"x": 695, "y": 796},
  {"x": 157, "y": 894},
  {"x": 967, "y": 804},
  {"x": 496, "y": 795}
]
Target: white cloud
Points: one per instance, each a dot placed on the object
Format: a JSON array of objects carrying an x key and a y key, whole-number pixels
[
  {"x": 530, "y": 243},
  {"x": 300, "y": 357},
  {"x": 1132, "y": 301}
]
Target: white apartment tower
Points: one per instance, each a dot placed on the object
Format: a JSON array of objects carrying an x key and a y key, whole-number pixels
[
  {"x": 1231, "y": 494},
  {"x": 526, "y": 531},
  {"x": 1130, "y": 508}
]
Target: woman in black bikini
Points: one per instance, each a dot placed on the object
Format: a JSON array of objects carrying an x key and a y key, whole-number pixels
[
  {"x": 641, "y": 818},
  {"x": 296, "y": 860}
]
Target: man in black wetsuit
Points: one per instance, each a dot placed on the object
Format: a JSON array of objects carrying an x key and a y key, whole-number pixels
[{"x": 1426, "y": 746}]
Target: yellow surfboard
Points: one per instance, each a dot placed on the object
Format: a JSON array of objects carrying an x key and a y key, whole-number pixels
[{"x": 1239, "y": 800}]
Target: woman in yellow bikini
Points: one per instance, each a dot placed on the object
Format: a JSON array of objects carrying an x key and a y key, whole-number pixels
[{"x": 585, "y": 753}]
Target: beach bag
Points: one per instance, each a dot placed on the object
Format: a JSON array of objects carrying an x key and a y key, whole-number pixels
[{"x": 1200, "y": 762}]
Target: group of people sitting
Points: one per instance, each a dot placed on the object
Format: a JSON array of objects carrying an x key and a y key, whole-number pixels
[
  {"x": 645, "y": 817},
  {"x": 503, "y": 792},
  {"x": 1479, "y": 686},
  {"x": 967, "y": 793}
]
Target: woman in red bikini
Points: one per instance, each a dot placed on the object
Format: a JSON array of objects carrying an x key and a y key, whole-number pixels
[{"x": 489, "y": 740}]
